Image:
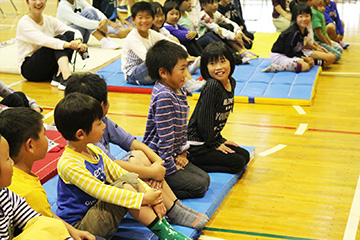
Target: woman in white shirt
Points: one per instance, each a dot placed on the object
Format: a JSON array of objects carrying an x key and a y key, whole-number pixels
[{"x": 45, "y": 46}]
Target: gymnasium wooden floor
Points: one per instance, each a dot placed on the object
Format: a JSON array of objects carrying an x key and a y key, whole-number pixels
[{"x": 302, "y": 184}]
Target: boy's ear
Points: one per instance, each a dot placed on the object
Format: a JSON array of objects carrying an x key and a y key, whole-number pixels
[
  {"x": 163, "y": 73},
  {"x": 29, "y": 145},
  {"x": 80, "y": 134}
]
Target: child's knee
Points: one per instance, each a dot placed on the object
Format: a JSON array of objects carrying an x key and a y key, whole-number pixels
[{"x": 140, "y": 158}]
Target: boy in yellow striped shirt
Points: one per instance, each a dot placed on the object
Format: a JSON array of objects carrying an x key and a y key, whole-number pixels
[{"x": 94, "y": 193}]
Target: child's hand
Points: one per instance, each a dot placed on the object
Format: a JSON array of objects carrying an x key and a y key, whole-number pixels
[
  {"x": 114, "y": 25},
  {"x": 80, "y": 235},
  {"x": 102, "y": 27},
  {"x": 160, "y": 210},
  {"x": 158, "y": 170},
  {"x": 247, "y": 39},
  {"x": 155, "y": 184},
  {"x": 239, "y": 39},
  {"x": 181, "y": 160},
  {"x": 82, "y": 47},
  {"x": 223, "y": 148},
  {"x": 309, "y": 60},
  {"x": 152, "y": 198},
  {"x": 191, "y": 34},
  {"x": 322, "y": 49}
]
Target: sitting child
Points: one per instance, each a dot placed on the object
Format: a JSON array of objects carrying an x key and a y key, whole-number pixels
[
  {"x": 94, "y": 193},
  {"x": 17, "y": 215},
  {"x": 319, "y": 26},
  {"x": 286, "y": 53},
  {"x": 28, "y": 143},
  {"x": 159, "y": 20},
  {"x": 90, "y": 20},
  {"x": 210, "y": 19},
  {"x": 334, "y": 25},
  {"x": 234, "y": 13},
  {"x": 209, "y": 150},
  {"x": 141, "y": 159},
  {"x": 166, "y": 126},
  {"x": 137, "y": 44},
  {"x": 321, "y": 56},
  {"x": 185, "y": 36}
]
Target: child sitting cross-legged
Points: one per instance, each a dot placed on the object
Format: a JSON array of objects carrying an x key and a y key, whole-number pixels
[
  {"x": 94, "y": 193},
  {"x": 166, "y": 126},
  {"x": 140, "y": 158},
  {"x": 28, "y": 143},
  {"x": 185, "y": 36}
]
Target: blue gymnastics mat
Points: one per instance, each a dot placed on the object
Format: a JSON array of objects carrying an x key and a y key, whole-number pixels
[
  {"x": 220, "y": 185},
  {"x": 252, "y": 85}
]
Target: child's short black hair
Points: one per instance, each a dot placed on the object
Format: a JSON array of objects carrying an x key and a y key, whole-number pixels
[
  {"x": 141, "y": 7},
  {"x": 207, "y": 2},
  {"x": 19, "y": 124},
  {"x": 74, "y": 112},
  {"x": 178, "y": 2},
  {"x": 170, "y": 5},
  {"x": 156, "y": 6},
  {"x": 164, "y": 54},
  {"x": 213, "y": 52},
  {"x": 89, "y": 84},
  {"x": 300, "y": 9}
]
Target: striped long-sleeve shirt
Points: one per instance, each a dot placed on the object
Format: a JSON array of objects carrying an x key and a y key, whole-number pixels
[
  {"x": 84, "y": 181},
  {"x": 166, "y": 126},
  {"x": 211, "y": 113},
  {"x": 14, "y": 212}
]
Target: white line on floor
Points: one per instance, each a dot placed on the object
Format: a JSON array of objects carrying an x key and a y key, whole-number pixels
[
  {"x": 49, "y": 114},
  {"x": 299, "y": 109},
  {"x": 301, "y": 129},
  {"x": 354, "y": 215},
  {"x": 272, "y": 150},
  {"x": 13, "y": 84}
]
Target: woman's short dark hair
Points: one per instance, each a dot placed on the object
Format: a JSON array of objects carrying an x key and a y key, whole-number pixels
[{"x": 213, "y": 52}]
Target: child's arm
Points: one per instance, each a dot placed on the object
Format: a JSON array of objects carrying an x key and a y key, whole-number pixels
[
  {"x": 179, "y": 33},
  {"x": 339, "y": 25},
  {"x": 22, "y": 212},
  {"x": 207, "y": 22},
  {"x": 205, "y": 115},
  {"x": 75, "y": 233},
  {"x": 321, "y": 36},
  {"x": 73, "y": 172},
  {"x": 165, "y": 120}
]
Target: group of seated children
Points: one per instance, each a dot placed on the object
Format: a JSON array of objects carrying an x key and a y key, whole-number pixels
[
  {"x": 46, "y": 44},
  {"x": 308, "y": 41},
  {"x": 95, "y": 190}
]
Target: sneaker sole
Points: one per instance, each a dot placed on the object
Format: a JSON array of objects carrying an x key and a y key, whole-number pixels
[
  {"x": 54, "y": 83},
  {"x": 61, "y": 87}
]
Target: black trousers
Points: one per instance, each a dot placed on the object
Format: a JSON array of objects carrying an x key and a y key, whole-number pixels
[
  {"x": 248, "y": 34},
  {"x": 42, "y": 64},
  {"x": 212, "y": 160},
  {"x": 16, "y": 99},
  {"x": 193, "y": 47}
]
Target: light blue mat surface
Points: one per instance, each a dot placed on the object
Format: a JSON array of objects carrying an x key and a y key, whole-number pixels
[{"x": 252, "y": 85}]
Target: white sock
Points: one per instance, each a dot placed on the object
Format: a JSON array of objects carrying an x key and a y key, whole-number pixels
[{"x": 195, "y": 65}]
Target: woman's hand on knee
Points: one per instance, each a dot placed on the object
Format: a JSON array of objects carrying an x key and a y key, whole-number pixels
[{"x": 225, "y": 149}]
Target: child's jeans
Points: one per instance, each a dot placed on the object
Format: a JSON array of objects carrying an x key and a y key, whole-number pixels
[
  {"x": 140, "y": 76},
  {"x": 103, "y": 219}
]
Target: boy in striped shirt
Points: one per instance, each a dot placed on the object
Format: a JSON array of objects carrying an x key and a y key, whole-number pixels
[
  {"x": 166, "y": 126},
  {"x": 94, "y": 193}
]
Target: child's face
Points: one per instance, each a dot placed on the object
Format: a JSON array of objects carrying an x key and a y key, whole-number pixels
[
  {"x": 176, "y": 79},
  {"x": 303, "y": 20},
  {"x": 40, "y": 145},
  {"x": 36, "y": 6},
  {"x": 143, "y": 21},
  {"x": 185, "y": 5},
  {"x": 159, "y": 19},
  {"x": 96, "y": 132},
  {"x": 172, "y": 17},
  {"x": 210, "y": 7},
  {"x": 219, "y": 69},
  {"x": 6, "y": 164}
]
